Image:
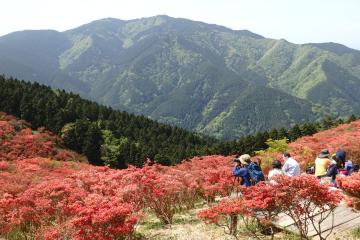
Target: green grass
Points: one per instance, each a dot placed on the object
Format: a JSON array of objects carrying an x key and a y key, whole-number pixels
[
  {"x": 356, "y": 232},
  {"x": 291, "y": 236}
]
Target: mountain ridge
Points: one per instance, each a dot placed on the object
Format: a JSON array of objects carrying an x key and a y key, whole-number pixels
[{"x": 191, "y": 74}]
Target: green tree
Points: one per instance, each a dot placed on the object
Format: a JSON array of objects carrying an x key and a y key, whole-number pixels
[
  {"x": 162, "y": 159},
  {"x": 327, "y": 122},
  {"x": 351, "y": 118},
  {"x": 92, "y": 145},
  {"x": 295, "y": 132},
  {"x": 274, "y": 134}
]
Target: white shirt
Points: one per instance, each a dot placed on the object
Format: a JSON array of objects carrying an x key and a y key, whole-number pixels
[
  {"x": 291, "y": 167},
  {"x": 274, "y": 172}
]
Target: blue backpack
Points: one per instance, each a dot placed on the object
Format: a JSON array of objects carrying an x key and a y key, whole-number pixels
[{"x": 255, "y": 172}]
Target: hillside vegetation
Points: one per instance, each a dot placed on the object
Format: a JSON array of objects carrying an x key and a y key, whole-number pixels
[
  {"x": 113, "y": 138},
  {"x": 104, "y": 135},
  {"x": 47, "y": 193},
  {"x": 204, "y": 77}
]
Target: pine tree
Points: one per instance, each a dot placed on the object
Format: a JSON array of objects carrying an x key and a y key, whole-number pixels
[
  {"x": 283, "y": 133},
  {"x": 351, "y": 118},
  {"x": 295, "y": 132},
  {"x": 327, "y": 122},
  {"x": 92, "y": 145},
  {"x": 274, "y": 134}
]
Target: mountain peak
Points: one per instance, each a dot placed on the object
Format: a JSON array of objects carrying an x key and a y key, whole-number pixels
[{"x": 155, "y": 21}]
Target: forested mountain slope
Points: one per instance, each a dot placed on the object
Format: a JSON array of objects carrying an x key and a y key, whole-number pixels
[{"x": 199, "y": 76}]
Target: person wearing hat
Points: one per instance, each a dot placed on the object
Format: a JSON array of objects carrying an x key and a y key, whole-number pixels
[
  {"x": 241, "y": 172},
  {"x": 322, "y": 163},
  {"x": 256, "y": 174},
  {"x": 276, "y": 164}
]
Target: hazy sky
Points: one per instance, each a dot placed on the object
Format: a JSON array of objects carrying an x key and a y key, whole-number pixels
[{"x": 298, "y": 21}]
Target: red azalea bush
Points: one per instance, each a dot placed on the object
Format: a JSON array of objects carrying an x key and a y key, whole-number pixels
[
  {"x": 345, "y": 136},
  {"x": 301, "y": 197},
  {"x": 6, "y": 130},
  {"x": 84, "y": 211},
  {"x": 351, "y": 186},
  {"x": 225, "y": 214},
  {"x": 3, "y": 165},
  {"x": 25, "y": 144},
  {"x": 161, "y": 192},
  {"x": 103, "y": 218},
  {"x": 211, "y": 176},
  {"x": 17, "y": 141},
  {"x": 306, "y": 149},
  {"x": 48, "y": 199},
  {"x": 297, "y": 197}
]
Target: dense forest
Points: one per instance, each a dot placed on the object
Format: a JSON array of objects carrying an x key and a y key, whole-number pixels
[
  {"x": 116, "y": 139},
  {"x": 104, "y": 135}
]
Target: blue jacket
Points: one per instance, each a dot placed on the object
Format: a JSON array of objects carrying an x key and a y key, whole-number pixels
[{"x": 244, "y": 174}]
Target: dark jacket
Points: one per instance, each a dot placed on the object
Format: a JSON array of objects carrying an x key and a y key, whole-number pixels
[
  {"x": 341, "y": 155},
  {"x": 332, "y": 172},
  {"x": 244, "y": 174}
]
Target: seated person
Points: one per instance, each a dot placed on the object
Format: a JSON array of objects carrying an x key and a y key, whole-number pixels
[
  {"x": 355, "y": 168},
  {"x": 291, "y": 166},
  {"x": 276, "y": 164},
  {"x": 322, "y": 162},
  {"x": 332, "y": 170},
  {"x": 348, "y": 167}
]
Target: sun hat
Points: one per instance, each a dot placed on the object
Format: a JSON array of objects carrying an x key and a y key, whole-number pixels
[
  {"x": 324, "y": 153},
  {"x": 245, "y": 159}
]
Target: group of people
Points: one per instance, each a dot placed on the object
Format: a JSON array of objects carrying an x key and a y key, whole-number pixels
[
  {"x": 248, "y": 172},
  {"x": 331, "y": 166}
]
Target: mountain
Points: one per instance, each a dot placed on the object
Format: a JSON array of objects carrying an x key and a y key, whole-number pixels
[{"x": 199, "y": 76}]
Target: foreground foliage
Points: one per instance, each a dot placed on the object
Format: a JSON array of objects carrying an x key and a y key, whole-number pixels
[
  {"x": 48, "y": 192},
  {"x": 351, "y": 186},
  {"x": 298, "y": 197}
]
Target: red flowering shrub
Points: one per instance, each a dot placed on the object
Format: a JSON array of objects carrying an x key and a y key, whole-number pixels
[
  {"x": 17, "y": 141},
  {"x": 303, "y": 196},
  {"x": 351, "y": 186},
  {"x": 152, "y": 187},
  {"x": 298, "y": 197},
  {"x": 306, "y": 149},
  {"x": 83, "y": 211},
  {"x": 68, "y": 155},
  {"x": 25, "y": 144},
  {"x": 345, "y": 136},
  {"x": 3, "y": 165},
  {"x": 256, "y": 207},
  {"x": 103, "y": 218},
  {"x": 6, "y": 130},
  {"x": 226, "y": 213},
  {"x": 211, "y": 176},
  {"x": 48, "y": 199}
]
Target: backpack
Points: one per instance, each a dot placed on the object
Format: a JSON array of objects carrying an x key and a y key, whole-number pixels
[{"x": 256, "y": 175}]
